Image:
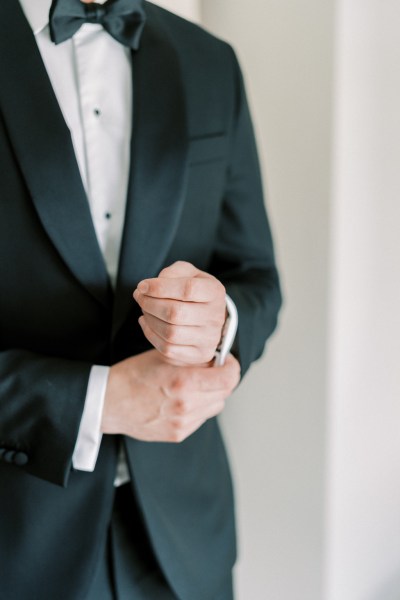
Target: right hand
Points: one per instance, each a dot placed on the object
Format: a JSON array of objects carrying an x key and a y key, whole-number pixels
[{"x": 151, "y": 400}]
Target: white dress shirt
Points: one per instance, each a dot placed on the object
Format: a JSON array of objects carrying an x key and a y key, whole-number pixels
[{"x": 91, "y": 76}]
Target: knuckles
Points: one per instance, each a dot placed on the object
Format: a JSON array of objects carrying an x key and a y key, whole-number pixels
[
  {"x": 178, "y": 266},
  {"x": 171, "y": 334},
  {"x": 189, "y": 289},
  {"x": 174, "y": 314},
  {"x": 181, "y": 408},
  {"x": 167, "y": 350},
  {"x": 177, "y": 436},
  {"x": 206, "y": 355},
  {"x": 198, "y": 287},
  {"x": 178, "y": 385},
  {"x": 179, "y": 424},
  {"x": 178, "y": 430}
]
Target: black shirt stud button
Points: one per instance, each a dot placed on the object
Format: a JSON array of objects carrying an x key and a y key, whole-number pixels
[
  {"x": 9, "y": 456},
  {"x": 20, "y": 459}
]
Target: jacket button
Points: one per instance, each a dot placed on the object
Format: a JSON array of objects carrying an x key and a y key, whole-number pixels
[
  {"x": 20, "y": 459},
  {"x": 9, "y": 456}
]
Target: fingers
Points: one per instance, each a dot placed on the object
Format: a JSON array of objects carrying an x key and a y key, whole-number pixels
[
  {"x": 172, "y": 352},
  {"x": 185, "y": 289},
  {"x": 183, "y": 281},
  {"x": 182, "y": 429},
  {"x": 180, "y": 344},
  {"x": 195, "y": 380},
  {"x": 184, "y": 312},
  {"x": 178, "y": 334},
  {"x": 176, "y": 312},
  {"x": 188, "y": 410}
]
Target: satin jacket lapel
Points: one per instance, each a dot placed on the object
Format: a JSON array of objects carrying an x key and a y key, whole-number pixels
[
  {"x": 158, "y": 164},
  {"x": 43, "y": 146}
]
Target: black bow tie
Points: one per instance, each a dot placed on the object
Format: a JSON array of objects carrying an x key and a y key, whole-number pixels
[{"x": 123, "y": 19}]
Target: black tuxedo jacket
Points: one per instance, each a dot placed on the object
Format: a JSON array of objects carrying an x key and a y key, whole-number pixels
[{"x": 195, "y": 195}]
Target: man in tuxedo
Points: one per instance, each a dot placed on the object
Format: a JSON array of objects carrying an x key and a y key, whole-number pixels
[{"x": 133, "y": 228}]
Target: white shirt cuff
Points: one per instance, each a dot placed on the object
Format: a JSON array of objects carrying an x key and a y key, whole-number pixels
[
  {"x": 228, "y": 334},
  {"x": 89, "y": 436}
]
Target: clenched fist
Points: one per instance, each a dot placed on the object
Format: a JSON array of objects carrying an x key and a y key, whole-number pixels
[{"x": 184, "y": 313}]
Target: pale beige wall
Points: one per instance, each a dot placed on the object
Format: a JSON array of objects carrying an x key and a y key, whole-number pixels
[
  {"x": 364, "y": 467},
  {"x": 190, "y": 9},
  {"x": 275, "y": 425},
  {"x": 322, "y": 409}
]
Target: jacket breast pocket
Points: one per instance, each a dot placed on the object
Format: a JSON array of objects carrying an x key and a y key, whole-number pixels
[{"x": 208, "y": 148}]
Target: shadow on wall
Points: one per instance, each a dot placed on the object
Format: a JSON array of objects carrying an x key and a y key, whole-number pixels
[{"x": 389, "y": 591}]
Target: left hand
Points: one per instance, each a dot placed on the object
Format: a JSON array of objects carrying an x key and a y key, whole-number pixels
[{"x": 184, "y": 313}]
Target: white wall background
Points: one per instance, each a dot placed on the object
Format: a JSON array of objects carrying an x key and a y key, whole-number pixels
[
  {"x": 190, "y": 9},
  {"x": 364, "y": 484},
  {"x": 314, "y": 431}
]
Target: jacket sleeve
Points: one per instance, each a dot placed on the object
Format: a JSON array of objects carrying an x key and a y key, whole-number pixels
[
  {"x": 244, "y": 257},
  {"x": 41, "y": 404}
]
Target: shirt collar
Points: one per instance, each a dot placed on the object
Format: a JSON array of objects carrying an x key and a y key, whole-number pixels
[{"x": 37, "y": 13}]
